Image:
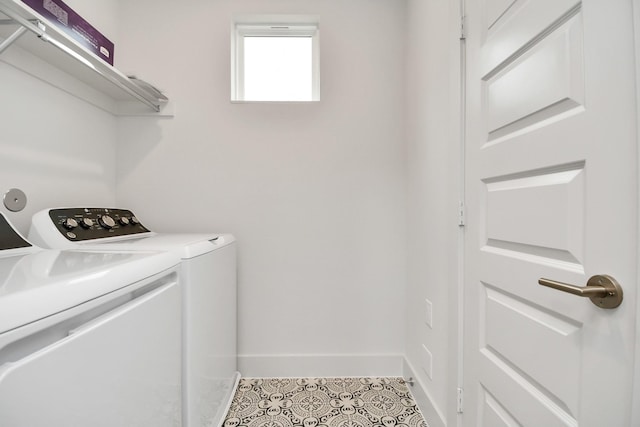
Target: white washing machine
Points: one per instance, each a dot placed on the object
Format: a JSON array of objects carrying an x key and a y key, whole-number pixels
[
  {"x": 88, "y": 339},
  {"x": 208, "y": 277}
]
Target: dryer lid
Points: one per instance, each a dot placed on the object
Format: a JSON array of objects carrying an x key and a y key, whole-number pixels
[{"x": 35, "y": 286}]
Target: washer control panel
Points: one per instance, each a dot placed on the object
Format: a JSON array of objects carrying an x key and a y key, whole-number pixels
[{"x": 78, "y": 224}]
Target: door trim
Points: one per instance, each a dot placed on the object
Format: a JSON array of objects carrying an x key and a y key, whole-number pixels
[
  {"x": 635, "y": 399},
  {"x": 460, "y": 103}
]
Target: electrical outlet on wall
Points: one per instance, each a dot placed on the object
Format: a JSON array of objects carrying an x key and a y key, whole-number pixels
[
  {"x": 428, "y": 313},
  {"x": 427, "y": 362}
]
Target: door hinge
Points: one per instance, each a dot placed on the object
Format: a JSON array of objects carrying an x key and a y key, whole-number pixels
[
  {"x": 460, "y": 400},
  {"x": 463, "y": 29},
  {"x": 461, "y": 216}
]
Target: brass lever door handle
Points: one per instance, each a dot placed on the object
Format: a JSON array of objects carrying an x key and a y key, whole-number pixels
[{"x": 603, "y": 290}]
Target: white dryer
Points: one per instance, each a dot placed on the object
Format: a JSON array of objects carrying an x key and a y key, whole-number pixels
[
  {"x": 88, "y": 339},
  {"x": 208, "y": 277}
]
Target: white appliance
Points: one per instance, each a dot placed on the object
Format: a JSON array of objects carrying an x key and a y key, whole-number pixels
[
  {"x": 208, "y": 277},
  {"x": 88, "y": 339}
]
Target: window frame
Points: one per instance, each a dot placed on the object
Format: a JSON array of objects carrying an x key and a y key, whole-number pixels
[{"x": 242, "y": 30}]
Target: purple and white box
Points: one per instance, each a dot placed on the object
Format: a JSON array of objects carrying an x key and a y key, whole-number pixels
[{"x": 65, "y": 18}]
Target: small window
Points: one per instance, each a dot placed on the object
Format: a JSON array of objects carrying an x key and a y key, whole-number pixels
[{"x": 275, "y": 62}]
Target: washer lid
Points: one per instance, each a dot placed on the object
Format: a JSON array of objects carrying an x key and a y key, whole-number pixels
[
  {"x": 186, "y": 246},
  {"x": 37, "y": 285}
]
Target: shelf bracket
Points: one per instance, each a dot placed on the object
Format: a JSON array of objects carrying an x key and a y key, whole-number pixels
[
  {"x": 24, "y": 24},
  {"x": 12, "y": 38}
]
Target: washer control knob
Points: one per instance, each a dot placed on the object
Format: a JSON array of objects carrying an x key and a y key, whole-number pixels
[
  {"x": 107, "y": 222},
  {"x": 134, "y": 220},
  {"x": 70, "y": 223},
  {"x": 123, "y": 220},
  {"x": 86, "y": 222}
]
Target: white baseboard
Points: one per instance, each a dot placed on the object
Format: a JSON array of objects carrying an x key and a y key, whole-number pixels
[
  {"x": 432, "y": 415},
  {"x": 321, "y": 365}
]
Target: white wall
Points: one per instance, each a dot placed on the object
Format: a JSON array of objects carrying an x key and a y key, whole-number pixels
[
  {"x": 56, "y": 148},
  {"x": 433, "y": 191},
  {"x": 315, "y": 193}
]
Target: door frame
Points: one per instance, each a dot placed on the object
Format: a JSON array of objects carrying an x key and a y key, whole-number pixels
[
  {"x": 458, "y": 292},
  {"x": 635, "y": 398}
]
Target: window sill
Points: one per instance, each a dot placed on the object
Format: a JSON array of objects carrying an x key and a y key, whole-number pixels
[{"x": 274, "y": 102}]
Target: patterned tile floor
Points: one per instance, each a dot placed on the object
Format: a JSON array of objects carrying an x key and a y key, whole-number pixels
[{"x": 323, "y": 402}]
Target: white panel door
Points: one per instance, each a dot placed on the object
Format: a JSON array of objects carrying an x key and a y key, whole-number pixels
[{"x": 551, "y": 192}]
